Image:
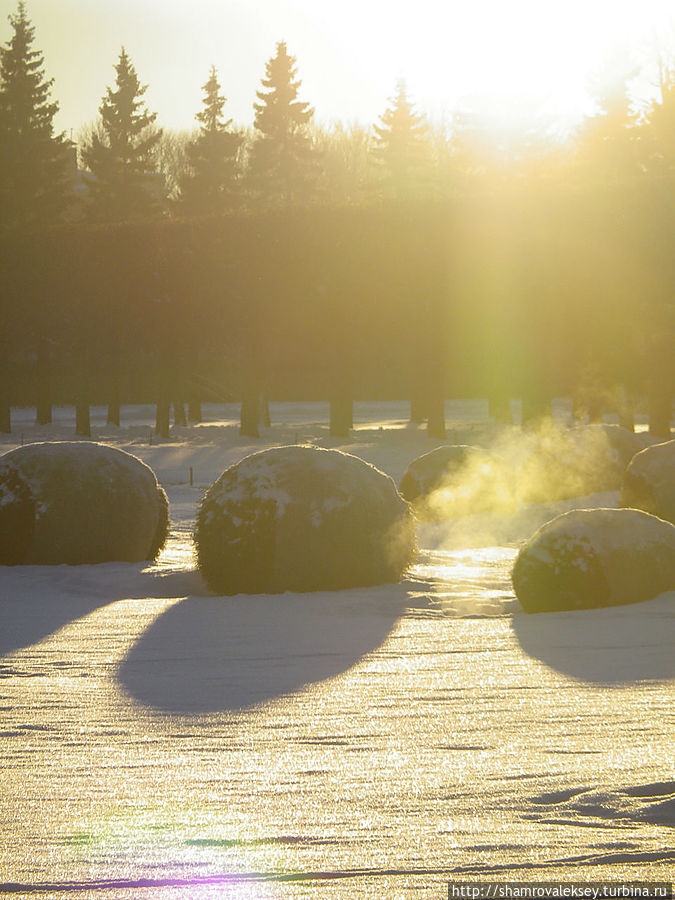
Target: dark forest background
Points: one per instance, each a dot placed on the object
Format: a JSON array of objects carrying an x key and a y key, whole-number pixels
[{"x": 296, "y": 261}]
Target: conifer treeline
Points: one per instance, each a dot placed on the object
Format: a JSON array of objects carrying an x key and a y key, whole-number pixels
[
  {"x": 286, "y": 263},
  {"x": 134, "y": 170}
]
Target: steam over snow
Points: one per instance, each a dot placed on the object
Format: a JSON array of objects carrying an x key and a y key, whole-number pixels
[
  {"x": 568, "y": 463},
  {"x": 449, "y": 482},
  {"x": 649, "y": 481}
]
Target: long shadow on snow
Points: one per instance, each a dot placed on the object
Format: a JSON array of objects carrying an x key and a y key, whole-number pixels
[
  {"x": 208, "y": 654},
  {"x": 615, "y": 645},
  {"x": 36, "y": 601}
]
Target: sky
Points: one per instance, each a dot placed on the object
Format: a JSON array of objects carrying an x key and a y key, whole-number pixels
[{"x": 511, "y": 59}]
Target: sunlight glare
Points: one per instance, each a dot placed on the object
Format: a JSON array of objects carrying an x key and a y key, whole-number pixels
[
  {"x": 468, "y": 583},
  {"x": 509, "y": 60},
  {"x": 178, "y": 554}
]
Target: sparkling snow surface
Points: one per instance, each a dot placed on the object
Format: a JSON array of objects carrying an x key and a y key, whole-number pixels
[{"x": 157, "y": 741}]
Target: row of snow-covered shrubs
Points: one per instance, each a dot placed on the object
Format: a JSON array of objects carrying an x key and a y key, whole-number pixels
[
  {"x": 292, "y": 518},
  {"x": 304, "y": 519}
]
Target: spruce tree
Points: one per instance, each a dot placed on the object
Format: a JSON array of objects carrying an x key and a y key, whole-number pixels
[
  {"x": 659, "y": 127},
  {"x": 401, "y": 143},
  {"x": 120, "y": 152},
  {"x": 281, "y": 164},
  {"x": 35, "y": 164},
  {"x": 210, "y": 184},
  {"x": 608, "y": 145}
]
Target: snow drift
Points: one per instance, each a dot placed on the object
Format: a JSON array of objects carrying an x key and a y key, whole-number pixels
[
  {"x": 590, "y": 558},
  {"x": 454, "y": 481},
  {"x": 588, "y": 459},
  {"x": 76, "y": 502},
  {"x": 649, "y": 481},
  {"x": 302, "y": 519}
]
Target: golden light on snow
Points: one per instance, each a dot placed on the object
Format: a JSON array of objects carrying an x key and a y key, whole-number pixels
[
  {"x": 430, "y": 745},
  {"x": 469, "y": 582},
  {"x": 178, "y": 553},
  {"x": 401, "y": 735}
]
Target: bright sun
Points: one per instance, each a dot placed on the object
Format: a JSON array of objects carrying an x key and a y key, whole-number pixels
[{"x": 511, "y": 60}]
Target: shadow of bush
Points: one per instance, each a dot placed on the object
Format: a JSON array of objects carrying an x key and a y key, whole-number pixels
[
  {"x": 617, "y": 645},
  {"x": 208, "y": 654}
]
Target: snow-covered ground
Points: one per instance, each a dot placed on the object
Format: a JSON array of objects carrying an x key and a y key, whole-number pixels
[{"x": 157, "y": 741}]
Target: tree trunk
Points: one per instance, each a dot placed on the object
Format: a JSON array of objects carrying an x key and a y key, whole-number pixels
[
  {"x": 82, "y": 419},
  {"x": 5, "y": 399},
  {"x": 626, "y": 412},
  {"x": 660, "y": 414},
  {"x": 248, "y": 424},
  {"x": 44, "y": 387},
  {"x": 194, "y": 411},
  {"x": 436, "y": 420},
  {"x": 341, "y": 414},
  {"x": 113, "y": 417},
  {"x": 162, "y": 422},
  {"x": 594, "y": 410},
  {"x": 82, "y": 396},
  {"x": 165, "y": 389},
  {"x": 179, "y": 417}
]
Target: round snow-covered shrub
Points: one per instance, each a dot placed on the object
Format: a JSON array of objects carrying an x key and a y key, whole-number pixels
[
  {"x": 588, "y": 459},
  {"x": 457, "y": 481},
  {"x": 302, "y": 519},
  {"x": 79, "y": 502},
  {"x": 17, "y": 516},
  {"x": 592, "y": 558},
  {"x": 649, "y": 481}
]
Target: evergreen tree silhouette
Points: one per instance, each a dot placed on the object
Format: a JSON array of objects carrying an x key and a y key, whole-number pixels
[
  {"x": 281, "y": 164},
  {"x": 608, "y": 146},
  {"x": 401, "y": 142},
  {"x": 35, "y": 164},
  {"x": 213, "y": 156},
  {"x": 121, "y": 151},
  {"x": 659, "y": 128}
]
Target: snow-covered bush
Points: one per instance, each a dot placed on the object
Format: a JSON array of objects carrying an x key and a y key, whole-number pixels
[
  {"x": 17, "y": 516},
  {"x": 649, "y": 481},
  {"x": 591, "y": 558},
  {"x": 79, "y": 502},
  {"x": 457, "y": 481},
  {"x": 302, "y": 519},
  {"x": 583, "y": 460}
]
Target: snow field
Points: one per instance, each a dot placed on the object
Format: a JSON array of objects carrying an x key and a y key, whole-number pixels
[{"x": 161, "y": 742}]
